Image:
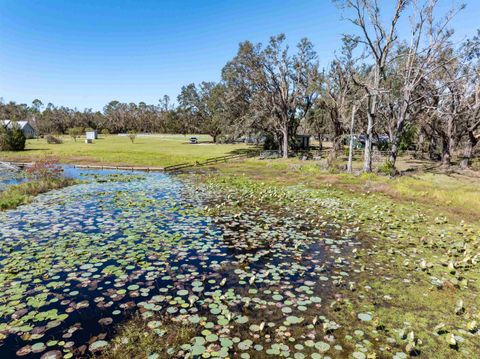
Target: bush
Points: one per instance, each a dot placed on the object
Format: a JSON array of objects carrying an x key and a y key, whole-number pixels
[
  {"x": 105, "y": 132},
  {"x": 408, "y": 138},
  {"x": 270, "y": 143},
  {"x": 225, "y": 139},
  {"x": 53, "y": 140},
  {"x": 4, "y": 145},
  {"x": 388, "y": 168},
  {"x": 45, "y": 169},
  {"x": 383, "y": 145},
  {"x": 44, "y": 175},
  {"x": 75, "y": 132},
  {"x": 12, "y": 139},
  {"x": 132, "y": 135}
]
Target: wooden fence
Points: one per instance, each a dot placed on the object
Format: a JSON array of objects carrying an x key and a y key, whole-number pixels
[{"x": 210, "y": 161}]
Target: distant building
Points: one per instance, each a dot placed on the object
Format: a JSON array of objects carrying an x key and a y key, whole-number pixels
[
  {"x": 302, "y": 142},
  {"x": 255, "y": 139},
  {"x": 380, "y": 141},
  {"x": 26, "y": 128},
  {"x": 91, "y": 135}
]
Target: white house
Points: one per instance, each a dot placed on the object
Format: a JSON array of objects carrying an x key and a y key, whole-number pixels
[{"x": 26, "y": 128}]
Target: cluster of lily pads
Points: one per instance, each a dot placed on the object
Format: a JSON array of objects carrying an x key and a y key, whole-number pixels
[{"x": 87, "y": 251}]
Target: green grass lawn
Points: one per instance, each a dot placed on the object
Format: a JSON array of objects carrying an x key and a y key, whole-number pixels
[{"x": 155, "y": 150}]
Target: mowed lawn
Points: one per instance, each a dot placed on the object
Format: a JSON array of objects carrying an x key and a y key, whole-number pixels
[{"x": 154, "y": 150}]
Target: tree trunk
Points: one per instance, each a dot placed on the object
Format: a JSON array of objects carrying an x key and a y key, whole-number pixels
[
  {"x": 398, "y": 131},
  {"x": 285, "y": 143},
  {"x": 337, "y": 141},
  {"x": 320, "y": 144},
  {"x": 394, "y": 150},
  {"x": 468, "y": 150},
  {"x": 214, "y": 138},
  {"x": 420, "y": 142},
  {"x": 432, "y": 146},
  {"x": 396, "y": 143},
  {"x": 446, "y": 156},
  {"x": 350, "y": 147},
  {"x": 367, "y": 165},
  {"x": 448, "y": 144},
  {"x": 337, "y": 138}
]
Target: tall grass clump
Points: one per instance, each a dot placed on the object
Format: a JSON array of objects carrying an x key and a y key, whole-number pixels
[{"x": 43, "y": 176}]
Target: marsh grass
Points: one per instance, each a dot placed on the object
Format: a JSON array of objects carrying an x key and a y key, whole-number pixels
[
  {"x": 135, "y": 340},
  {"x": 16, "y": 195},
  {"x": 440, "y": 193}
]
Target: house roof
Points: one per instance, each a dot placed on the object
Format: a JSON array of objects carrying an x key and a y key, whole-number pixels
[{"x": 9, "y": 123}]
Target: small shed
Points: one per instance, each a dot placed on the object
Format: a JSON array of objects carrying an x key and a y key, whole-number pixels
[
  {"x": 303, "y": 142},
  {"x": 91, "y": 135}
]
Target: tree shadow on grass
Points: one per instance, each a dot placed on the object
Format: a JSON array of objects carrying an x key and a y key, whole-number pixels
[
  {"x": 252, "y": 151},
  {"x": 32, "y": 149}
]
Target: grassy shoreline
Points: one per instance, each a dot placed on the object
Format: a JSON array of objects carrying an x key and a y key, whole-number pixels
[{"x": 23, "y": 193}]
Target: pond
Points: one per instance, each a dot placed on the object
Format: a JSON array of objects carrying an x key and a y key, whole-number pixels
[
  {"x": 8, "y": 177},
  {"x": 77, "y": 261}
]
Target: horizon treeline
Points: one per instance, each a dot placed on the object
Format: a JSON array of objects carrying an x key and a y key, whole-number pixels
[{"x": 421, "y": 90}]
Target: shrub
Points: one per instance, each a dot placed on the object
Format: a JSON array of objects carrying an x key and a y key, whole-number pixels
[
  {"x": 53, "y": 140},
  {"x": 388, "y": 168},
  {"x": 12, "y": 139},
  {"x": 383, "y": 145},
  {"x": 132, "y": 135},
  {"x": 4, "y": 145},
  {"x": 225, "y": 139},
  {"x": 17, "y": 139},
  {"x": 270, "y": 143},
  {"x": 45, "y": 169},
  {"x": 408, "y": 138},
  {"x": 75, "y": 132},
  {"x": 16, "y": 195},
  {"x": 105, "y": 132}
]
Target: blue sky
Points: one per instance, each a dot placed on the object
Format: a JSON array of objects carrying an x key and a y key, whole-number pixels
[{"x": 84, "y": 53}]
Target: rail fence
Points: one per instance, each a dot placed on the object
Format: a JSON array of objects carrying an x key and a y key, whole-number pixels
[{"x": 210, "y": 161}]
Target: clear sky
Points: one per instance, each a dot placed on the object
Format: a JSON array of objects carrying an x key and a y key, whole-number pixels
[{"x": 84, "y": 53}]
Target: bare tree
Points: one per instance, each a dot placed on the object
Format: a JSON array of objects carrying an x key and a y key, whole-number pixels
[
  {"x": 471, "y": 97},
  {"x": 413, "y": 62},
  {"x": 378, "y": 40},
  {"x": 339, "y": 92}
]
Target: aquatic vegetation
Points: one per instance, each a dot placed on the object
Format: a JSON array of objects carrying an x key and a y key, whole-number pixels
[
  {"x": 15, "y": 195},
  {"x": 104, "y": 249},
  {"x": 413, "y": 269},
  {"x": 213, "y": 269}
]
